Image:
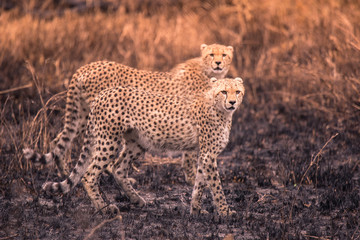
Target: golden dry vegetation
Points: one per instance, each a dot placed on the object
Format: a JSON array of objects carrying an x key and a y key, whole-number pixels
[
  {"x": 305, "y": 55},
  {"x": 301, "y": 52}
]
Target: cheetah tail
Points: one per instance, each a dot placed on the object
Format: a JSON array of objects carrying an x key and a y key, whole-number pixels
[
  {"x": 39, "y": 159},
  {"x": 75, "y": 176}
]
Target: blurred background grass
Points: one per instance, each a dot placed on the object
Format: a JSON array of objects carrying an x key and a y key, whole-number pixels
[
  {"x": 302, "y": 51},
  {"x": 303, "y": 55}
]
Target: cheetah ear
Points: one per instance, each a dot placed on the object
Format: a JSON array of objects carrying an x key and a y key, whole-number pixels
[
  {"x": 203, "y": 46},
  {"x": 213, "y": 79},
  {"x": 230, "y": 48},
  {"x": 239, "y": 79}
]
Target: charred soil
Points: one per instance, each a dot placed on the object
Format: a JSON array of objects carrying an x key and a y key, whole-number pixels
[{"x": 266, "y": 172}]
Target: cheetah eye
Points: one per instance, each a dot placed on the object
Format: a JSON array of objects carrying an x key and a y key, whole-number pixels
[
  {"x": 224, "y": 92},
  {"x": 238, "y": 92},
  {"x": 224, "y": 55},
  {"x": 211, "y": 55}
]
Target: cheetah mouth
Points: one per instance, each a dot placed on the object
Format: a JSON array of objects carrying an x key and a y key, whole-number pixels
[
  {"x": 217, "y": 69},
  {"x": 230, "y": 108}
]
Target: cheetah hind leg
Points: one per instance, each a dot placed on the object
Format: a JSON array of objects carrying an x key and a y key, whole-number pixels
[
  {"x": 102, "y": 157},
  {"x": 90, "y": 183},
  {"x": 70, "y": 132},
  {"x": 131, "y": 151},
  {"x": 63, "y": 168},
  {"x": 110, "y": 167}
]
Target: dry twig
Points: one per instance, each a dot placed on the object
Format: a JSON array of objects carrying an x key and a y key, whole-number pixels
[
  {"x": 118, "y": 217},
  {"x": 317, "y": 157},
  {"x": 10, "y": 237},
  {"x": 315, "y": 160},
  {"x": 29, "y": 85}
]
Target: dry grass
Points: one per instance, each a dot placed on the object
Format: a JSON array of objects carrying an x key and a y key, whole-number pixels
[
  {"x": 300, "y": 51},
  {"x": 303, "y": 54}
]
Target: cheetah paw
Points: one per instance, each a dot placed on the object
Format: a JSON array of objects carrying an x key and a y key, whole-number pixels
[
  {"x": 227, "y": 213},
  {"x": 112, "y": 210},
  {"x": 132, "y": 181},
  {"x": 195, "y": 211},
  {"x": 231, "y": 213},
  {"x": 190, "y": 180},
  {"x": 139, "y": 201},
  {"x": 49, "y": 188}
]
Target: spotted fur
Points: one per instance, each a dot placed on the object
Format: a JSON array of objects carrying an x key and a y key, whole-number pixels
[
  {"x": 185, "y": 80},
  {"x": 136, "y": 121}
]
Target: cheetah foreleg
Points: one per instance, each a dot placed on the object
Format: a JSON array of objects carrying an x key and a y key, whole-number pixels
[
  {"x": 189, "y": 166},
  {"x": 208, "y": 175}
]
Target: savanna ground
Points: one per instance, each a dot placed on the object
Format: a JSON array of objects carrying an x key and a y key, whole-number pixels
[{"x": 291, "y": 169}]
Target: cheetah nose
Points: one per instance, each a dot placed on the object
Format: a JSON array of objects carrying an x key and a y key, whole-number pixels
[
  {"x": 218, "y": 63},
  {"x": 232, "y": 102}
]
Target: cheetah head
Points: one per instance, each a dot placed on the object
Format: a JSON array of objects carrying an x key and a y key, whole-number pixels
[
  {"x": 216, "y": 59},
  {"x": 227, "y": 93}
]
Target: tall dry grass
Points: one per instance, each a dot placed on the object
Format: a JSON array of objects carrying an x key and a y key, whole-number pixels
[
  {"x": 305, "y": 54},
  {"x": 305, "y": 50}
]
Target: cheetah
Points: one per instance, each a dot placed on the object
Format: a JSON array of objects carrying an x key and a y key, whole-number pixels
[
  {"x": 137, "y": 121},
  {"x": 185, "y": 79}
]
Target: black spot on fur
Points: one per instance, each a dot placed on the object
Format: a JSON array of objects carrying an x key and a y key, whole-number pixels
[
  {"x": 69, "y": 182},
  {"x": 61, "y": 189},
  {"x": 33, "y": 158},
  {"x": 42, "y": 159},
  {"x": 56, "y": 159},
  {"x": 70, "y": 130}
]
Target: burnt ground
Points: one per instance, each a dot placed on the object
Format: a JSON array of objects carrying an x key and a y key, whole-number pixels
[{"x": 266, "y": 174}]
